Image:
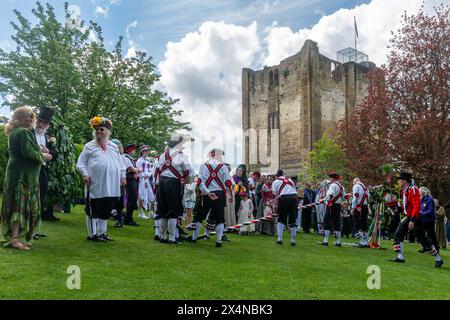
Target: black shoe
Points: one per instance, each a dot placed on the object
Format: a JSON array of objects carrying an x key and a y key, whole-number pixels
[
  {"x": 438, "y": 264},
  {"x": 40, "y": 235},
  {"x": 90, "y": 238},
  {"x": 35, "y": 237},
  {"x": 99, "y": 239},
  {"x": 293, "y": 244},
  {"x": 164, "y": 240},
  {"x": 323, "y": 244},
  {"x": 174, "y": 242},
  {"x": 279, "y": 242},
  {"x": 132, "y": 224},
  {"x": 397, "y": 260},
  {"x": 118, "y": 225},
  {"x": 156, "y": 238},
  {"x": 218, "y": 244},
  {"x": 192, "y": 240},
  {"x": 361, "y": 246},
  {"x": 338, "y": 245},
  {"x": 106, "y": 237}
]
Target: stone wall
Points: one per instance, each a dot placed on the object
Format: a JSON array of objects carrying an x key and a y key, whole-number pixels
[{"x": 286, "y": 108}]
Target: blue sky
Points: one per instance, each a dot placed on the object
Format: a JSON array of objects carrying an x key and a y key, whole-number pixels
[{"x": 159, "y": 22}]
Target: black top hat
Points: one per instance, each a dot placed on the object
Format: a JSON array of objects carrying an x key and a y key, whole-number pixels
[
  {"x": 405, "y": 176},
  {"x": 45, "y": 114}
]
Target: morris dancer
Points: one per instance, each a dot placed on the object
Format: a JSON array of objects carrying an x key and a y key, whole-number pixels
[
  {"x": 360, "y": 210},
  {"x": 103, "y": 171},
  {"x": 214, "y": 181},
  {"x": 174, "y": 167},
  {"x": 146, "y": 196},
  {"x": 412, "y": 221},
  {"x": 332, "y": 219},
  {"x": 285, "y": 193},
  {"x": 156, "y": 173},
  {"x": 119, "y": 205}
]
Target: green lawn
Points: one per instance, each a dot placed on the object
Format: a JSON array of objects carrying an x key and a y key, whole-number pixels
[{"x": 250, "y": 267}]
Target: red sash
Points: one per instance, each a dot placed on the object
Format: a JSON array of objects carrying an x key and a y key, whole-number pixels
[
  {"x": 168, "y": 165},
  {"x": 213, "y": 175},
  {"x": 286, "y": 182},
  {"x": 333, "y": 200},
  {"x": 363, "y": 197}
]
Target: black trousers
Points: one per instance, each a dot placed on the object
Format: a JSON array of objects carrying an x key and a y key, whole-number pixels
[
  {"x": 217, "y": 208},
  {"x": 361, "y": 218},
  {"x": 419, "y": 230},
  {"x": 430, "y": 232},
  {"x": 288, "y": 210},
  {"x": 171, "y": 195},
  {"x": 101, "y": 208},
  {"x": 43, "y": 187},
  {"x": 306, "y": 219},
  {"x": 132, "y": 196},
  {"x": 332, "y": 218}
]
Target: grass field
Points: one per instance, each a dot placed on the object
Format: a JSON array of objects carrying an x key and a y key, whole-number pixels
[{"x": 250, "y": 267}]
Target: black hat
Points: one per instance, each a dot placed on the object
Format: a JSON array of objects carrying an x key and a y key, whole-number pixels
[
  {"x": 130, "y": 147},
  {"x": 405, "y": 176},
  {"x": 45, "y": 114},
  {"x": 333, "y": 175}
]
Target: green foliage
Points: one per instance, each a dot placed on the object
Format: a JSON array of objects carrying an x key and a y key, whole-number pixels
[
  {"x": 327, "y": 155},
  {"x": 59, "y": 66},
  {"x": 63, "y": 186},
  {"x": 3, "y": 155}
]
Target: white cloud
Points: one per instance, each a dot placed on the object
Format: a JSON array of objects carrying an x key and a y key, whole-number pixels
[
  {"x": 204, "y": 70},
  {"x": 101, "y": 11},
  {"x": 336, "y": 31},
  {"x": 114, "y": 2},
  {"x": 133, "y": 47}
]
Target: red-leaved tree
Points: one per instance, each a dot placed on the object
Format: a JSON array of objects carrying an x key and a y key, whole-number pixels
[{"x": 415, "y": 103}]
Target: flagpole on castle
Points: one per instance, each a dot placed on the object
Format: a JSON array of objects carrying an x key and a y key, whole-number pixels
[{"x": 356, "y": 36}]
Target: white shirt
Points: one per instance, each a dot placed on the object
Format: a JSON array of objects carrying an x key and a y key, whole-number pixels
[
  {"x": 333, "y": 191},
  {"x": 223, "y": 175},
  {"x": 180, "y": 163},
  {"x": 358, "y": 192},
  {"x": 127, "y": 161},
  {"x": 40, "y": 138},
  {"x": 288, "y": 189},
  {"x": 189, "y": 192},
  {"x": 104, "y": 167},
  {"x": 251, "y": 182},
  {"x": 146, "y": 166}
]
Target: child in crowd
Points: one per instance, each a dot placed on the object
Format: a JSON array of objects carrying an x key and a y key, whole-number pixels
[
  {"x": 189, "y": 198},
  {"x": 245, "y": 213},
  {"x": 346, "y": 219}
]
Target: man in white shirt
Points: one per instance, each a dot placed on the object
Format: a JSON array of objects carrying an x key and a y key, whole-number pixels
[
  {"x": 103, "y": 170},
  {"x": 285, "y": 194},
  {"x": 215, "y": 181},
  {"x": 132, "y": 175},
  {"x": 360, "y": 210},
  {"x": 174, "y": 167},
  {"x": 332, "y": 219}
]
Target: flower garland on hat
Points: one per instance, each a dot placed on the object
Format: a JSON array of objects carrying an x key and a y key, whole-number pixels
[{"x": 98, "y": 121}]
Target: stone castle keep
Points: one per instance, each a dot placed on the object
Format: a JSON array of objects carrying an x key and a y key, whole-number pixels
[{"x": 286, "y": 108}]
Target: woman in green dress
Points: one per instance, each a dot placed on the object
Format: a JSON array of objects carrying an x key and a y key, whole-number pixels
[{"x": 20, "y": 206}]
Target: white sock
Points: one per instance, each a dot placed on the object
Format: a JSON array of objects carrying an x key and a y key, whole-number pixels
[
  {"x": 172, "y": 229},
  {"x": 338, "y": 237},
  {"x": 177, "y": 234},
  {"x": 89, "y": 226},
  {"x": 293, "y": 234},
  {"x": 326, "y": 236},
  {"x": 157, "y": 230},
  {"x": 437, "y": 257},
  {"x": 163, "y": 228},
  {"x": 102, "y": 226},
  {"x": 95, "y": 227},
  {"x": 400, "y": 254},
  {"x": 365, "y": 239},
  {"x": 280, "y": 229},
  {"x": 219, "y": 232},
  {"x": 198, "y": 225}
]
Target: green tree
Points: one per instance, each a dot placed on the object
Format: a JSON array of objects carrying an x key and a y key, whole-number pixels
[
  {"x": 59, "y": 65},
  {"x": 327, "y": 155}
]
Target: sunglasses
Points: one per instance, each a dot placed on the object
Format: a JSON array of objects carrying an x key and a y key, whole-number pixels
[{"x": 100, "y": 129}]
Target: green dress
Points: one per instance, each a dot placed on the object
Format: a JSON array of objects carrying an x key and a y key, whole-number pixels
[{"x": 21, "y": 201}]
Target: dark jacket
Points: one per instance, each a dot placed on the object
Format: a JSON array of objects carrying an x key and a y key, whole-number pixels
[{"x": 427, "y": 209}]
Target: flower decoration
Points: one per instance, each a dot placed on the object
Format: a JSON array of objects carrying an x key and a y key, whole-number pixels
[{"x": 100, "y": 121}]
